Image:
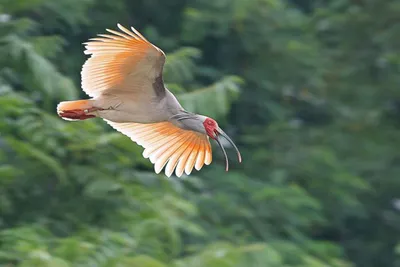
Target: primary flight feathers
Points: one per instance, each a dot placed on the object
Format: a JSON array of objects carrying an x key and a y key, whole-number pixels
[{"x": 124, "y": 78}]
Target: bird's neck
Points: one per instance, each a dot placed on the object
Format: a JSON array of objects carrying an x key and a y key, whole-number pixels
[
  {"x": 187, "y": 121},
  {"x": 179, "y": 118}
]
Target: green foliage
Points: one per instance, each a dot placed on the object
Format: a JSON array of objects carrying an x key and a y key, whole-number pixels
[{"x": 311, "y": 98}]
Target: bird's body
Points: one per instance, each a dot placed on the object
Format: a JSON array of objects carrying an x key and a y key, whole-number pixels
[
  {"x": 124, "y": 78},
  {"x": 118, "y": 107}
]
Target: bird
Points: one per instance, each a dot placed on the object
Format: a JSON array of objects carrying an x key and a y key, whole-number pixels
[{"x": 123, "y": 78}]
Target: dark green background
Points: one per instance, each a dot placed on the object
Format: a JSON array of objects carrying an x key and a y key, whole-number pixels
[{"x": 309, "y": 91}]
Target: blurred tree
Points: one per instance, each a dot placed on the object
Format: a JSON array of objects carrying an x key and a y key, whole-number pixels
[{"x": 316, "y": 119}]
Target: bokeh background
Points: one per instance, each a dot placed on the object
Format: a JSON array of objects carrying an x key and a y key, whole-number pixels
[{"x": 309, "y": 91}]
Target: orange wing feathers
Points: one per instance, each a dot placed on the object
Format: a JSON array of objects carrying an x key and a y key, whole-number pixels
[
  {"x": 120, "y": 61},
  {"x": 169, "y": 146}
]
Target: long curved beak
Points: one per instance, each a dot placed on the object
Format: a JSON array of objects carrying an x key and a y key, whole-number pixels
[{"x": 219, "y": 133}]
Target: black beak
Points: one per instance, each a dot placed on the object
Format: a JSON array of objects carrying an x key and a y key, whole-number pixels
[{"x": 219, "y": 133}]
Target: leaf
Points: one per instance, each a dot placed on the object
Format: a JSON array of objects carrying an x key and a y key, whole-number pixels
[
  {"x": 214, "y": 100},
  {"x": 39, "y": 73},
  {"x": 141, "y": 261},
  {"x": 48, "y": 46},
  {"x": 20, "y": 6},
  {"x": 261, "y": 255},
  {"x": 100, "y": 188},
  {"x": 179, "y": 66},
  {"x": 27, "y": 150},
  {"x": 7, "y": 174}
]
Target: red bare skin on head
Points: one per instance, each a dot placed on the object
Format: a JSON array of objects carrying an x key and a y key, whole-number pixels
[{"x": 211, "y": 127}]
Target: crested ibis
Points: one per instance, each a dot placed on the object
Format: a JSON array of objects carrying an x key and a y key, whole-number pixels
[{"x": 123, "y": 78}]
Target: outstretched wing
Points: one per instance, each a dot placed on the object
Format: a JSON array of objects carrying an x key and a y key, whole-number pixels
[
  {"x": 123, "y": 61},
  {"x": 169, "y": 146}
]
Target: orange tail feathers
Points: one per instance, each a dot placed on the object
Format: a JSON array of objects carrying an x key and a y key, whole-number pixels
[{"x": 75, "y": 110}]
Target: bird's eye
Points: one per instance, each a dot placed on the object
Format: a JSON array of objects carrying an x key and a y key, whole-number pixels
[{"x": 210, "y": 122}]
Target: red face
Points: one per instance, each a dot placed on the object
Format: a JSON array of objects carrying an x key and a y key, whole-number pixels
[
  {"x": 211, "y": 127},
  {"x": 214, "y": 132}
]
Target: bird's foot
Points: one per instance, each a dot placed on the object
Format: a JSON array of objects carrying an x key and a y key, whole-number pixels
[
  {"x": 76, "y": 114},
  {"x": 77, "y": 110}
]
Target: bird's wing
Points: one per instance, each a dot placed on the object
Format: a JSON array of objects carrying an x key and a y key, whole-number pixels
[
  {"x": 123, "y": 61},
  {"x": 169, "y": 146}
]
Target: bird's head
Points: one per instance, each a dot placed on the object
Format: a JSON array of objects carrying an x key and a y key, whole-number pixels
[
  {"x": 206, "y": 126},
  {"x": 215, "y": 132}
]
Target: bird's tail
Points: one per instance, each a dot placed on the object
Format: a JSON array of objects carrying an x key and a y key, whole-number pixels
[{"x": 75, "y": 110}]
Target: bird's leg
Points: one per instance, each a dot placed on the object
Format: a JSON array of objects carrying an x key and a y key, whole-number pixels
[
  {"x": 93, "y": 109},
  {"x": 79, "y": 114},
  {"x": 82, "y": 114},
  {"x": 75, "y": 114},
  {"x": 77, "y": 110}
]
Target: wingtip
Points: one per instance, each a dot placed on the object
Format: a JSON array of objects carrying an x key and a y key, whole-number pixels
[
  {"x": 188, "y": 172},
  {"x": 146, "y": 153},
  {"x": 157, "y": 170},
  {"x": 122, "y": 28},
  {"x": 178, "y": 173}
]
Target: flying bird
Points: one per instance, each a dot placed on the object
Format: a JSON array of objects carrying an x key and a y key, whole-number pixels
[{"x": 124, "y": 79}]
